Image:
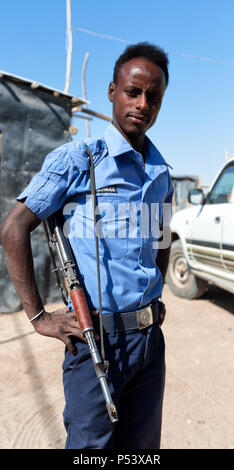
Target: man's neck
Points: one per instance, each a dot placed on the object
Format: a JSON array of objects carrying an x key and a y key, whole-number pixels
[{"x": 135, "y": 142}]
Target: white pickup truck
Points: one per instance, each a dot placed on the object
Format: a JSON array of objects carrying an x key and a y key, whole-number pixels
[{"x": 202, "y": 248}]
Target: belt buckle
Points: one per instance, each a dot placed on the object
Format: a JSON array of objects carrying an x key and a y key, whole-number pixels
[{"x": 145, "y": 317}]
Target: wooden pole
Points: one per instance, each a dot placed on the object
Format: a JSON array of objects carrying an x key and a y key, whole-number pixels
[
  {"x": 69, "y": 47},
  {"x": 91, "y": 112},
  {"x": 84, "y": 89},
  {"x": 78, "y": 116}
]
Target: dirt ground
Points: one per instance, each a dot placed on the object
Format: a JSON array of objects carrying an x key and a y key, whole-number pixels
[{"x": 198, "y": 405}]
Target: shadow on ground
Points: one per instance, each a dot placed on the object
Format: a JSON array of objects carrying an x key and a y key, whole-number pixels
[{"x": 220, "y": 297}]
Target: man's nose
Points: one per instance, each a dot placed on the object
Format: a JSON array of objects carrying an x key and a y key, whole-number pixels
[{"x": 142, "y": 102}]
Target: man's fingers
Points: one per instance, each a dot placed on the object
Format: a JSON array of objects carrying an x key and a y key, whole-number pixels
[
  {"x": 68, "y": 325},
  {"x": 70, "y": 346},
  {"x": 77, "y": 333}
]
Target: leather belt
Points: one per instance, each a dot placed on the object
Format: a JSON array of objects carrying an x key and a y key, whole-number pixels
[{"x": 137, "y": 320}]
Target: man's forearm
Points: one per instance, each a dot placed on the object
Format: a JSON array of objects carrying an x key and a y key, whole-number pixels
[
  {"x": 19, "y": 261},
  {"x": 15, "y": 236}
]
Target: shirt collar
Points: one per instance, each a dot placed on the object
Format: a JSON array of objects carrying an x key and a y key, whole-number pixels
[
  {"x": 118, "y": 145},
  {"x": 153, "y": 156},
  {"x": 115, "y": 141}
]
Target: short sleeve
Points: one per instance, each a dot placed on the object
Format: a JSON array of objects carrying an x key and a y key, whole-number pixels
[{"x": 49, "y": 188}]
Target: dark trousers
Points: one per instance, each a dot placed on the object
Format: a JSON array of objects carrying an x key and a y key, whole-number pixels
[{"x": 135, "y": 377}]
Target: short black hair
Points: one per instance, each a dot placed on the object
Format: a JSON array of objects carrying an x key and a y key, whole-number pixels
[{"x": 148, "y": 51}]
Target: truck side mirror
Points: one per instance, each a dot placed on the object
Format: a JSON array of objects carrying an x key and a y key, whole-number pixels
[{"x": 196, "y": 196}]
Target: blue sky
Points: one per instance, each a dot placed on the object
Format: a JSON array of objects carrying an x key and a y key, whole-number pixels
[{"x": 196, "y": 123}]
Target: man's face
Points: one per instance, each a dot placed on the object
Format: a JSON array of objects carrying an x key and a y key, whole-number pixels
[{"x": 137, "y": 98}]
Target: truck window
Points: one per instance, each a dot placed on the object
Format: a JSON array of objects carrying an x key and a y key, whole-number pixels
[{"x": 222, "y": 191}]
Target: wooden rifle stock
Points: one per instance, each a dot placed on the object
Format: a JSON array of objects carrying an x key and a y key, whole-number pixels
[{"x": 81, "y": 309}]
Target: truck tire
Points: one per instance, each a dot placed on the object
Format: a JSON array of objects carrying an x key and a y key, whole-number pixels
[{"x": 179, "y": 278}]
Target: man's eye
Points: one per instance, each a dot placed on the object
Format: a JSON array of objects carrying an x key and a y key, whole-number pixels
[{"x": 132, "y": 92}]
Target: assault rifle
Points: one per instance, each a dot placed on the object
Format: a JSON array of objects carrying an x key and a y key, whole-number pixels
[{"x": 53, "y": 227}]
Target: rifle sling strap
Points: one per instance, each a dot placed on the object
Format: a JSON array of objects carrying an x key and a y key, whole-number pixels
[{"x": 94, "y": 203}]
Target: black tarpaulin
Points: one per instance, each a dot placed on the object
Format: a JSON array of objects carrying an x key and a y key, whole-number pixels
[{"x": 34, "y": 120}]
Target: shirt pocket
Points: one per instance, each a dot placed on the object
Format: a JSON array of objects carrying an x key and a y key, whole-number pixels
[{"x": 112, "y": 227}]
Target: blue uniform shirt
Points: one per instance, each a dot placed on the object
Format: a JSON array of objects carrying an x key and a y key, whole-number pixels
[{"x": 130, "y": 196}]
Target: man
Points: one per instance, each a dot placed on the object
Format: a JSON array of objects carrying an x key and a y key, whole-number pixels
[{"x": 129, "y": 172}]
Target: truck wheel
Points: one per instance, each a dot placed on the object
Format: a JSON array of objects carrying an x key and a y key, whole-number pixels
[{"x": 179, "y": 279}]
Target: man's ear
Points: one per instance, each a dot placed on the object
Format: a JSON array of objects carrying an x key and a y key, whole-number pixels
[{"x": 111, "y": 91}]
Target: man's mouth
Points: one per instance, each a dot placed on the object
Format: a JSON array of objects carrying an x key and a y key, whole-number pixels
[{"x": 137, "y": 118}]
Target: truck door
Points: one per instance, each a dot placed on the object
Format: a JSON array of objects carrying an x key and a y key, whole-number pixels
[
  {"x": 228, "y": 222},
  {"x": 207, "y": 229},
  {"x": 204, "y": 245}
]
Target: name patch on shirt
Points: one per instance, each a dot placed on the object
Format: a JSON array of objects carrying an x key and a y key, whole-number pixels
[{"x": 107, "y": 189}]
